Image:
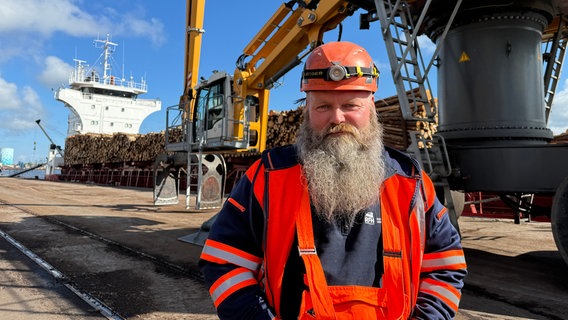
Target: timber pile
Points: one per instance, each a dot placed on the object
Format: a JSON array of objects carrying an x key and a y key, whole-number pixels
[
  {"x": 561, "y": 138},
  {"x": 396, "y": 129},
  {"x": 282, "y": 127},
  {"x": 111, "y": 148},
  {"x": 120, "y": 147}
]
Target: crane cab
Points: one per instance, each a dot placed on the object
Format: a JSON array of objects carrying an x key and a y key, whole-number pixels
[
  {"x": 218, "y": 122},
  {"x": 217, "y": 119}
]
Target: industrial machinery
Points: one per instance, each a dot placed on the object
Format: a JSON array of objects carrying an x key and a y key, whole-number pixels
[
  {"x": 498, "y": 63},
  {"x": 53, "y": 161},
  {"x": 54, "y": 158}
]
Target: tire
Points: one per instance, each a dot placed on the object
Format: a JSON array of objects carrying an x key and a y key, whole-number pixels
[
  {"x": 559, "y": 219},
  {"x": 458, "y": 198}
]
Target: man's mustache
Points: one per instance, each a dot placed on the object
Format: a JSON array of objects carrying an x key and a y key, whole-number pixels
[
  {"x": 342, "y": 128},
  {"x": 345, "y": 128}
]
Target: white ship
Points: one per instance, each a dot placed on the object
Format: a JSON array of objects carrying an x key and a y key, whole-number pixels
[{"x": 104, "y": 103}]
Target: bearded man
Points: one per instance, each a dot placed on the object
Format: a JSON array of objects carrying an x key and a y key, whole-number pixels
[{"x": 336, "y": 226}]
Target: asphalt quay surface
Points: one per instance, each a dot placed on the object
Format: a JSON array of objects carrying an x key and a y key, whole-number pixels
[{"x": 515, "y": 271}]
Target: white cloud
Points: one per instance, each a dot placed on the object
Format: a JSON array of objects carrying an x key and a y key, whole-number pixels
[
  {"x": 558, "y": 120},
  {"x": 152, "y": 28},
  {"x": 19, "y": 108},
  {"x": 56, "y": 72},
  {"x": 9, "y": 99},
  {"x": 45, "y": 17},
  {"x": 426, "y": 45},
  {"x": 31, "y": 100}
]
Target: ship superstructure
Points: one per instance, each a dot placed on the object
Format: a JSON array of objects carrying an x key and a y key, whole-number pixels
[{"x": 104, "y": 103}]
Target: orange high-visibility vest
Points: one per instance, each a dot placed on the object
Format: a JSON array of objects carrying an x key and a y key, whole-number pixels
[{"x": 403, "y": 206}]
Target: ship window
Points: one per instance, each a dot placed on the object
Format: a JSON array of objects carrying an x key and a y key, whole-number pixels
[
  {"x": 93, "y": 122},
  {"x": 92, "y": 106},
  {"x": 106, "y": 108},
  {"x": 122, "y": 109},
  {"x": 112, "y": 124}
]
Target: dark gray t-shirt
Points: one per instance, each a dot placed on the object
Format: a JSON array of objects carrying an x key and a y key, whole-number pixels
[{"x": 350, "y": 255}]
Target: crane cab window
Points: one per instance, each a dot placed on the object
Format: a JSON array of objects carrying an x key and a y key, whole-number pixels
[{"x": 210, "y": 104}]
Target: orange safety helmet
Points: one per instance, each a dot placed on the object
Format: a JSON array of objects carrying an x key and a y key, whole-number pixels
[{"x": 339, "y": 66}]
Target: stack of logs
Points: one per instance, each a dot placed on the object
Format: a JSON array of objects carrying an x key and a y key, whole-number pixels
[
  {"x": 282, "y": 127},
  {"x": 397, "y": 131},
  {"x": 281, "y": 130},
  {"x": 561, "y": 138},
  {"x": 93, "y": 148}
]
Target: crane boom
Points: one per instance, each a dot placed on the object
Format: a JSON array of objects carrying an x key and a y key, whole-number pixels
[
  {"x": 193, "y": 38},
  {"x": 58, "y": 148}
]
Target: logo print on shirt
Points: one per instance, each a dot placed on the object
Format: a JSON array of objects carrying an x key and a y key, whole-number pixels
[{"x": 369, "y": 218}]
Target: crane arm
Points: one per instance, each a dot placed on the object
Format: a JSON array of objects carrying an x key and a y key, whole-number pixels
[
  {"x": 58, "y": 148},
  {"x": 193, "y": 38},
  {"x": 279, "y": 42}
]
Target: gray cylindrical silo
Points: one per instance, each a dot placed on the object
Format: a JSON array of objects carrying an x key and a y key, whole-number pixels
[{"x": 490, "y": 78}]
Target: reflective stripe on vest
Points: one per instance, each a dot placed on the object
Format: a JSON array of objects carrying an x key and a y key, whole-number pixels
[
  {"x": 221, "y": 253},
  {"x": 230, "y": 283},
  {"x": 451, "y": 259},
  {"x": 443, "y": 291}
]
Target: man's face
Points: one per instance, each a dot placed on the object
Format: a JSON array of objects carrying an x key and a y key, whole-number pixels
[
  {"x": 340, "y": 148},
  {"x": 327, "y": 109}
]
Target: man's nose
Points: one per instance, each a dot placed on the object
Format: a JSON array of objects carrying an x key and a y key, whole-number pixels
[{"x": 337, "y": 116}]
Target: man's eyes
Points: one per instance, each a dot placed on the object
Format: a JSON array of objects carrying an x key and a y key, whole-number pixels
[
  {"x": 345, "y": 107},
  {"x": 322, "y": 108},
  {"x": 350, "y": 107}
]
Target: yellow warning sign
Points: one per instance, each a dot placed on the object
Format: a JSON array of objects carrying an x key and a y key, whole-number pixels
[{"x": 464, "y": 57}]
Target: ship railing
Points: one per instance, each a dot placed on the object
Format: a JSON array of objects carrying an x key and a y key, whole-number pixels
[
  {"x": 110, "y": 80},
  {"x": 147, "y": 103},
  {"x": 127, "y": 177}
]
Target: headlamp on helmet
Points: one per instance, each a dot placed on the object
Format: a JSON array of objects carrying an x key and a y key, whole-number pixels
[
  {"x": 338, "y": 73},
  {"x": 339, "y": 66}
]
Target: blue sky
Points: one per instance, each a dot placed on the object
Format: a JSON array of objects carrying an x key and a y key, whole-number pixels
[{"x": 40, "y": 38}]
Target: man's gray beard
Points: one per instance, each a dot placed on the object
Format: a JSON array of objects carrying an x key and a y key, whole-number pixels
[{"x": 344, "y": 172}]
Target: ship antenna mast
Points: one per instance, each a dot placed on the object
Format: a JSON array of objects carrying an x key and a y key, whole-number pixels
[
  {"x": 108, "y": 47},
  {"x": 123, "y": 49}
]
